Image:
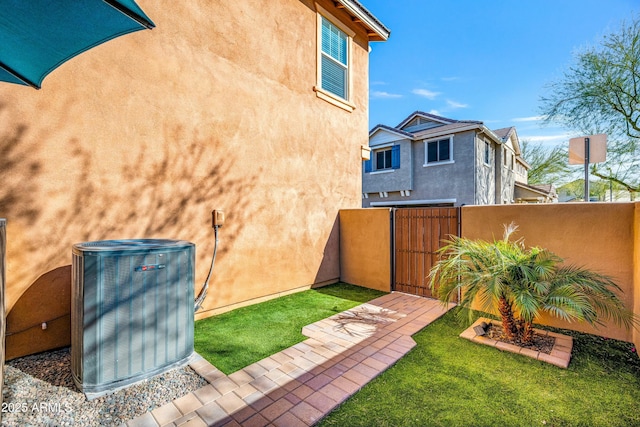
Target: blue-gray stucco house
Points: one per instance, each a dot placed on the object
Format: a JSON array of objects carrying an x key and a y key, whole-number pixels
[{"x": 428, "y": 160}]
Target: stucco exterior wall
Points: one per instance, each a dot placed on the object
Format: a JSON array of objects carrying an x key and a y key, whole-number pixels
[
  {"x": 365, "y": 247},
  {"x": 598, "y": 236},
  {"x": 456, "y": 180},
  {"x": 486, "y": 179},
  {"x": 213, "y": 109},
  {"x": 508, "y": 185},
  {"x": 636, "y": 273}
]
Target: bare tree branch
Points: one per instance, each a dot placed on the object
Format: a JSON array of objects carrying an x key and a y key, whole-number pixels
[{"x": 600, "y": 94}]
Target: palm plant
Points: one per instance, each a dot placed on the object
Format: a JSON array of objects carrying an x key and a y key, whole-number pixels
[{"x": 522, "y": 284}]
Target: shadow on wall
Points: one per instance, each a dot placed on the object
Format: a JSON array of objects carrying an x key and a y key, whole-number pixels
[
  {"x": 329, "y": 269},
  {"x": 169, "y": 195},
  {"x": 17, "y": 193}
]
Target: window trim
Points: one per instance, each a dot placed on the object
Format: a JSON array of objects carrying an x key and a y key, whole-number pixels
[
  {"x": 384, "y": 150},
  {"x": 344, "y": 103},
  {"x": 487, "y": 153},
  {"x": 449, "y": 161},
  {"x": 394, "y": 149},
  {"x": 381, "y": 171}
]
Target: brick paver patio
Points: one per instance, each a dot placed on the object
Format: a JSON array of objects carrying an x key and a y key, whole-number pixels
[{"x": 302, "y": 384}]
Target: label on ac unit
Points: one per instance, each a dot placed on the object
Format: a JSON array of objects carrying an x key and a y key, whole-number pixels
[{"x": 150, "y": 267}]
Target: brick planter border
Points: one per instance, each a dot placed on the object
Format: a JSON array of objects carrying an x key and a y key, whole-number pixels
[{"x": 560, "y": 354}]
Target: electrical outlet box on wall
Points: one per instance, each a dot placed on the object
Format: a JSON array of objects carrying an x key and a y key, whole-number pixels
[{"x": 217, "y": 218}]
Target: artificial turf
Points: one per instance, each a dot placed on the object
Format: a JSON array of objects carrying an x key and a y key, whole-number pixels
[
  {"x": 233, "y": 340},
  {"x": 449, "y": 381}
]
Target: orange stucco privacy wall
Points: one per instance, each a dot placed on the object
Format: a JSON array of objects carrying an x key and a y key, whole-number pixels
[
  {"x": 599, "y": 236},
  {"x": 365, "y": 248},
  {"x": 213, "y": 109},
  {"x": 636, "y": 273}
]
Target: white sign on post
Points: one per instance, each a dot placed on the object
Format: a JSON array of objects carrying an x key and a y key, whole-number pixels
[
  {"x": 585, "y": 150},
  {"x": 597, "y": 149}
]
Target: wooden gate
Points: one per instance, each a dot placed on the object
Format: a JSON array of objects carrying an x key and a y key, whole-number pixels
[{"x": 418, "y": 236}]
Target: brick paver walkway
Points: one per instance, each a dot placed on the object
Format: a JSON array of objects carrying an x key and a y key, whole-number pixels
[{"x": 302, "y": 384}]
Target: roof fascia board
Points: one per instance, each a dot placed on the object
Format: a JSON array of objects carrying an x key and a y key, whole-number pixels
[
  {"x": 432, "y": 118},
  {"x": 425, "y": 134},
  {"x": 523, "y": 162},
  {"x": 532, "y": 189},
  {"x": 388, "y": 130},
  {"x": 413, "y": 202},
  {"x": 492, "y": 135},
  {"x": 516, "y": 142},
  {"x": 378, "y": 32}
]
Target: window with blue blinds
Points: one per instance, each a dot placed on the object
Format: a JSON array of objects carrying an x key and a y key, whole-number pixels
[{"x": 334, "y": 59}]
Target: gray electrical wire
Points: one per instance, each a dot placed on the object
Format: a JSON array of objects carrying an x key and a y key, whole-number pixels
[{"x": 203, "y": 292}]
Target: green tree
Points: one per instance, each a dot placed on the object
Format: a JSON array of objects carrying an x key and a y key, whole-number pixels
[
  {"x": 521, "y": 284},
  {"x": 600, "y": 93},
  {"x": 599, "y": 189},
  {"x": 548, "y": 165}
]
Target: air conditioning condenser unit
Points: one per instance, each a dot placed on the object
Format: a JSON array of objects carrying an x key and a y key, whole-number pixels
[{"x": 132, "y": 311}]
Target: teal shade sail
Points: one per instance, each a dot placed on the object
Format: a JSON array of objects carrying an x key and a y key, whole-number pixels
[{"x": 37, "y": 36}]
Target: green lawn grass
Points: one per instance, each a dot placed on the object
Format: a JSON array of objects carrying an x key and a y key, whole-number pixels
[
  {"x": 236, "y": 339},
  {"x": 449, "y": 381}
]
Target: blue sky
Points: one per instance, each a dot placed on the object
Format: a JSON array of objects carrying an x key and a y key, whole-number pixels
[{"x": 482, "y": 60}]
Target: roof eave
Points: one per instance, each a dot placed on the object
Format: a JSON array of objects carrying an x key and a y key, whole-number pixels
[
  {"x": 491, "y": 135},
  {"x": 524, "y": 162},
  {"x": 443, "y": 120},
  {"x": 375, "y": 29},
  {"x": 383, "y": 128},
  {"x": 534, "y": 189},
  {"x": 436, "y": 132}
]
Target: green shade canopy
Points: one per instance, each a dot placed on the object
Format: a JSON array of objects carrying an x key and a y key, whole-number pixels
[{"x": 37, "y": 36}]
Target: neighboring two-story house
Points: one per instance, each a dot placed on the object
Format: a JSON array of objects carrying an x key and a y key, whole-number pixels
[{"x": 428, "y": 160}]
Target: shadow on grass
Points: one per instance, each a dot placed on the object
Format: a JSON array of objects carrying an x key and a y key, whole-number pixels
[{"x": 349, "y": 292}]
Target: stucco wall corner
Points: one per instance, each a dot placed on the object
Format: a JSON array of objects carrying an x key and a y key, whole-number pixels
[
  {"x": 365, "y": 248},
  {"x": 636, "y": 271}
]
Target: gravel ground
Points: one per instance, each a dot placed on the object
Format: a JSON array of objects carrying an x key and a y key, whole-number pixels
[{"x": 39, "y": 391}]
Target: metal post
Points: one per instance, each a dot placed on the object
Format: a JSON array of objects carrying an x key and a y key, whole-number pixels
[
  {"x": 392, "y": 233},
  {"x": 586, "y": 169},
  {"x": 611, "y": 191},
  {"x": 3, "y": 241}
]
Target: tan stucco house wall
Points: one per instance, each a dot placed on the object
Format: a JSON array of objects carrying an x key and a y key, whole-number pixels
[{"x": 215, "y": 108}]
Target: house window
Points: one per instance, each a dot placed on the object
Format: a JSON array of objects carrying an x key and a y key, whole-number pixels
[
  {"x": 334, "y": 65},
  {"x": 384, "y": 159},
  {"x": 487, "y": 153},
  {"x": 439, "y": 151},
  {"x": 334, "y": 73}
]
